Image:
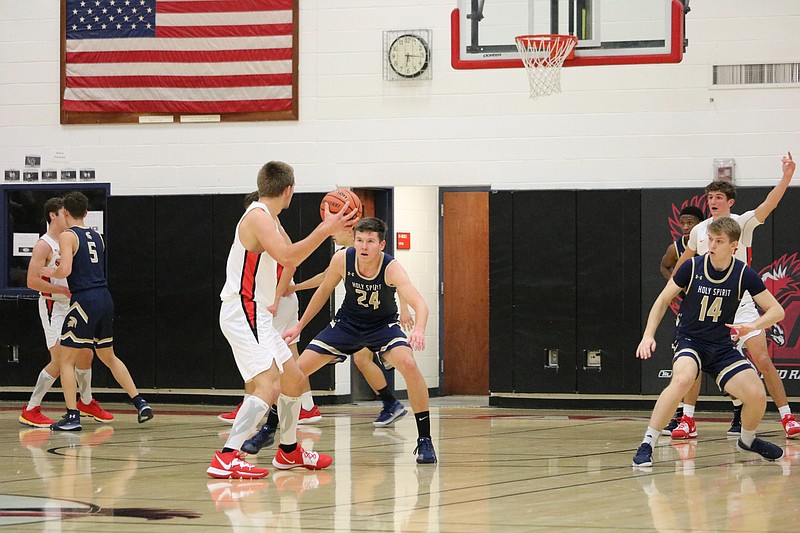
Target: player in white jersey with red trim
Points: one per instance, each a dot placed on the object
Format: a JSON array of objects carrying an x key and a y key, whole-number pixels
[
  {"x": 259, "y": 351},
  {"x": 285, "y": 311},
  {"x": 721, "y": 196},
  {"x": 53, "y": 305}
]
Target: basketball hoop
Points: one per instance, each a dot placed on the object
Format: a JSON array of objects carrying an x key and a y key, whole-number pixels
[{"x": 543, "y": 56}]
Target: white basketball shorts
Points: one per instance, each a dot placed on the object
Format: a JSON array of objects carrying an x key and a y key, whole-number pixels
[
  {"x": 745, "y": 314},
  {"x": 52, "y": 314},
  {"x": 288, "y": 308},
  {"x": 255, "y": 342}
]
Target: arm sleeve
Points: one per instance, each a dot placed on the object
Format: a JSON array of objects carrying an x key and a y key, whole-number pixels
[{"x": 681, "y": 277}]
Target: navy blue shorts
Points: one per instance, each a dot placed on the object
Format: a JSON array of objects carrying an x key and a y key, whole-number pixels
[
  {"x": 90, "y": 320},
  {"x": 340, "y": 339},
  {"x": 720, "y": 362}
]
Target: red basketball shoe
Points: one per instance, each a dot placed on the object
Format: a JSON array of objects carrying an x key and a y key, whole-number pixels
[
  {"x": 790, "y": 426},
  {"x": 686, "y": 429},
  {"x": 230, "y": 465},
  {"x": 309, "y": 417},
  {"x": 94, "y": 410},
  {"x": 34, "y": 418},
  {"x": 230, "y": 417},
  {"x": 301, "y": 458}
]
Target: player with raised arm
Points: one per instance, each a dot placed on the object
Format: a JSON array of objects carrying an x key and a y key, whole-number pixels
[
  {"x": 721, "y": 196},
  {"x": 714, "y": 284},
  {"x": 368, "y": 318}
]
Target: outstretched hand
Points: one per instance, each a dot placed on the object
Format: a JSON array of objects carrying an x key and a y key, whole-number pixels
[
  {"x": 417, "y": 341},
  {"x": 741, "y": 330},
  {"x": 646, "y": 348},
  {"x": 338, "y": 222},
  {"x": 292, "y": 333},
  {"x": 788, "y": 164}
]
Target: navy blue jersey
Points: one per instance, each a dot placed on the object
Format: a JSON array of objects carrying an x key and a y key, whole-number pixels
[
  {"x": 680, "y": 245},
  {"x": 367, "y": 302},
  {"x": 712, "y": 298},
  {"x": 88, "y": 262}
]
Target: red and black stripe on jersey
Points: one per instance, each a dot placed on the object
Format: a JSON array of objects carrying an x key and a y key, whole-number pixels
[{"x": 248, "y": 289}]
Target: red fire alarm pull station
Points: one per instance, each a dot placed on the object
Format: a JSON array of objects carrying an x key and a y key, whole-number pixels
[{"x": 403, "y": 240}]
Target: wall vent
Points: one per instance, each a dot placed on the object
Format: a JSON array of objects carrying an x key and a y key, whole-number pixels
[{"x": 756, "y": 75}]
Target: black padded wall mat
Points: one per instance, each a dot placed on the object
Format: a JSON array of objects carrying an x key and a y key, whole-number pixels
[
  {"x": 131, "y": 252},
  {"x": 184, "y": 312},
  {"x": 608, "y": 290},
  {"x": 544, "y": 290}
]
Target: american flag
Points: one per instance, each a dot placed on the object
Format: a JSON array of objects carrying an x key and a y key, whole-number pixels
[{"x": 179, "y": 56}]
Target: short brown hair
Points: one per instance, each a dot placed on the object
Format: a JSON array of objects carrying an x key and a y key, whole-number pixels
[
  {"x": 76, "y": 204},
  {"x": 726, "y": 226},
  {"x": 273, "y": 178},
  {"x": 370, "y": 224},
  {"x": 53, "y": 205},
  {"x": 725, "y": 187}
]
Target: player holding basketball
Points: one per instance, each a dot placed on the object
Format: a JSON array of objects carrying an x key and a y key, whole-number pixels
[
  {"x": 261, "y": 354},
  {"x": 368, "y": 318},
  {"x": 53, "y": 303},
  {"x": 714, "y": 284},
  {"x": 285, "y": 310},
  {"x": 89, "y": 319},
  {"x": 689, "y": 217},
  {"x": 721, "y": 196}
]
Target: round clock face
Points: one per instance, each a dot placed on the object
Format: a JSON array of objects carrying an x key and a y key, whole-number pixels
[{"x": 408, "y": 56}]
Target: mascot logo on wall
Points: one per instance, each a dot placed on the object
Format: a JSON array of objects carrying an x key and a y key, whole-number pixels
[{"x": 782, "y": 279}]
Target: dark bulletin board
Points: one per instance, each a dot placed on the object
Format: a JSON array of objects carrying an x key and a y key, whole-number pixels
[{"x": 21, "y": 211}]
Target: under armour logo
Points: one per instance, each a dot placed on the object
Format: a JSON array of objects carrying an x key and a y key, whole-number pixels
[
  {"x": 72, "y": 322},
  {"x": 698, "y": 277}
]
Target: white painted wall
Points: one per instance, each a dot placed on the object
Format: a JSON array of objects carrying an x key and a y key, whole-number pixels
[{"x": 612, "y": 127}]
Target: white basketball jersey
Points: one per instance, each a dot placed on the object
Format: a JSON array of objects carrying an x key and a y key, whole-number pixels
[
  {"x": 698, "y": 239},
  {"x": 55, "y": 259},
  {"x": 249, "y": 276}
]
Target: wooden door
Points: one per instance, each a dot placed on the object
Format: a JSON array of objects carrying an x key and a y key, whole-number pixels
[{"x": 465, "y": 258}]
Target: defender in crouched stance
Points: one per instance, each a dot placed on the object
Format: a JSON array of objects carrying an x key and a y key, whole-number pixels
[{"x": 714, "y": 284}]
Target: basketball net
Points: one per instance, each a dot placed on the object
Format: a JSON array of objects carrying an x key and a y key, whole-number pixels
[{"x": 543, "y": 56}]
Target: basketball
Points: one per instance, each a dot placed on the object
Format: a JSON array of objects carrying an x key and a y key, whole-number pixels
[{"x": 336, "y": 200}]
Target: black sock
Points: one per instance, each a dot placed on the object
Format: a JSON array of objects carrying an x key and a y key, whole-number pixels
[
  {"x": 386, "y": 396},
  {"x": 73, "y": 413},
  {"x": 227, "y": 450},
  {"x": 138, "y": 401},
  {"x": 737, "y": 413},
  {"x": 288, "y": 448},
  {"x": 679, "y": 412},
  {"x": 423, "y": 423},
  {"x": 272, "y": 416}
]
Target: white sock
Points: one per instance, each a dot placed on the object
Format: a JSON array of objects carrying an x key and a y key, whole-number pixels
[
  {"x": 84, "y": 379},
  {"x": 748, "y": 436},
  {"x": 688, "y": 410},
  {"x": 248, "y": 417},
  {"x": 651, "y": 436},
  {"x": 736, "y": 402},
  {"x": 288, "y": 413},
  {"x": 307, "y": 400},
  {"x": 43, "y": 384},
  {"x": 785, "y": 410}
]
